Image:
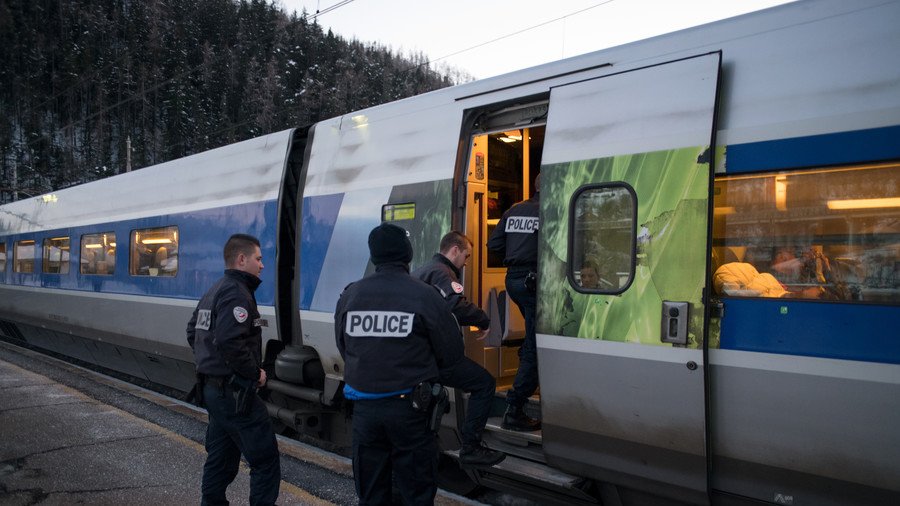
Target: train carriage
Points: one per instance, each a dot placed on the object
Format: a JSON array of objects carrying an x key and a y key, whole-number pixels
[{"x": 734, "y": 187}]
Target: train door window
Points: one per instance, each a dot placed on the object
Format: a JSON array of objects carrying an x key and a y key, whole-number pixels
[
  {"x": 824, "y": 234},
  {"x": 2, "y": 257},
  {"x": 602, "y": 247},
  {"x": 23, "y": 256},
  {"x": 154, "y": 252},
  {"x": 56, "y": 255},
  {"x": 98, "y": 253}
]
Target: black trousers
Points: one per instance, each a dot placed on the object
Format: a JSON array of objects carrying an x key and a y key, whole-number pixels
[
  {"x": 389, "y": 437},
  {"x": 230, "y": 435},
  {"x": 470, "y": 377},
  {"x": 526, "y": 381}
]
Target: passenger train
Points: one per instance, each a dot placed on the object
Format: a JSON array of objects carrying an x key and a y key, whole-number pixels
[{"x": 733, "y": 191}]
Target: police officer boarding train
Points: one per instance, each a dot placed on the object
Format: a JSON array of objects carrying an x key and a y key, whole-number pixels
[
  {"x": 516, "y": 237},
  {"x": 442, "y": 272},
  {"x": 226, "y": 336},
  {"x": 395, "y": 334}
]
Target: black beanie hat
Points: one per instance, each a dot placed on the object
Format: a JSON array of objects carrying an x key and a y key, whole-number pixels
[{"x": 389, "y": 243}]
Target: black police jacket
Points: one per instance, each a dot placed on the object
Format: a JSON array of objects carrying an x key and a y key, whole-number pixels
[
  {"x": 225, "y": 331},
  {"x": 443, "y": 275},
  {"x": 516, "y": 234},
  {"x": 394, "y": 331}
]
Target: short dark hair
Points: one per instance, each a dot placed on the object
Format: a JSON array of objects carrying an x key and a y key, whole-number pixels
[
  {"x": 454, "y": 238},
  {"x": 237, "y": 244},
  {"x": 589, "y": 264}
]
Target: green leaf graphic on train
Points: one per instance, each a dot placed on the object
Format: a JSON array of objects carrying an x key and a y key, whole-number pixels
[{"x": 670, "y": 231}]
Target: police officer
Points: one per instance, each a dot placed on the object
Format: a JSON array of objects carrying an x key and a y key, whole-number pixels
[
  {"x": 516, "y": 237},
  {"x": 443, "y": 272},
  {"x": 226, "y": 336},
  {"x": 394, "y": 333}
]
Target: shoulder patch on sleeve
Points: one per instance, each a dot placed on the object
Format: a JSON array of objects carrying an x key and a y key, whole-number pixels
[
  {"x": 240, "y": 314},
  {"x": 458, "y": 288}
]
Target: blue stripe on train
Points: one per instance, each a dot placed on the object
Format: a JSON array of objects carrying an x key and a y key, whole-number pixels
[
  {"x": 815, "y": 329},
  {"x": 201, "y": 236},
  {"x": 874, "y": 144},
  {"x": 319, "y": 217}
]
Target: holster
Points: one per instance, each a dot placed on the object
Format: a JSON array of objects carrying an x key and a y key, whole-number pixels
[
  {"x": 531, "y": 282},
  {"x": 440, "y": 406},
  {"x": 431, "y": 398},
  {"x": 243, "y": 391}
]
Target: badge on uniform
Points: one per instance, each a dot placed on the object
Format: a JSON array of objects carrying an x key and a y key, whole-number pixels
[
  {"x": 204, "y": 319},
  {"x": 240, "y": 314},
  {"x": 458, "y": 288}
]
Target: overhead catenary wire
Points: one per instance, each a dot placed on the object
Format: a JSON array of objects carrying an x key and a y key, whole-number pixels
[
  {"x": 502, "y": 37},
  {"x": 328, "y": 9}
]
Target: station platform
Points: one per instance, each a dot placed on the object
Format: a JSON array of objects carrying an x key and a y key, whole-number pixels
[{"x": 69, "y": 435}]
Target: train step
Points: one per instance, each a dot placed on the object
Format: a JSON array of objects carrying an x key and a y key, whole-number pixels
[
  {"x": 532, "y": 473},
  {"x": 526, "y": 445},
  {"x": 495, "y": 426}
]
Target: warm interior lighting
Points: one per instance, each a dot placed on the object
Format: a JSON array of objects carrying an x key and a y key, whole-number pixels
[
  {"x": 721, "y": 211},
  {"x": 93, "y": 246},
  {"x": 511, "y": 136},
  {"x": 864, "y": 203},
  {"x": 156, "y": 241},
  {"x": 781, "y": 193}
]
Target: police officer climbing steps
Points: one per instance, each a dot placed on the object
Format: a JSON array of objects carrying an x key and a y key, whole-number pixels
[
  {"x": 442, "y": 272},
  {"x": 225, "y": 333},
  {"x": 395, "y": 334},
  {"x": 516, "y": 237}
]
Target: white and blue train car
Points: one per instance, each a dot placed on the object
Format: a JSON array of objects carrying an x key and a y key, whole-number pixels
[
  {"x": 718, "y": 277},
  {"x": 106, "y": 272}
]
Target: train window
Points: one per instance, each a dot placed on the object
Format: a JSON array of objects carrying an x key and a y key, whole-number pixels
[
  {"x": 2, "y": 256},
  {"x": 154, "y": 252},
  {"x": 56, "y": 255},
  {"x": 23, "y": 256},
  {"x": 98, "y": 253},
  {"x": 823, "y": 234},
  {"x": 398, "y": 212},
  {"x": 602, "y": 240}
]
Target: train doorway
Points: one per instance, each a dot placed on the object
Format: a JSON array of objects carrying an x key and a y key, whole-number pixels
[{"x": 505, "y": 149}]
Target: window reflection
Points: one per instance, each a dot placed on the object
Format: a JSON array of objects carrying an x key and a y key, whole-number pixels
[
  {"x": 2, "y": 256},
  {"x": 23, "y": 256},
  {"x": 603, "y": 239},
  {"x": 154, "y": 252},
  {"x": 830, "y": 234},
  {"x": 56, "y": 255},
  {"x": 98, "y": 254}
]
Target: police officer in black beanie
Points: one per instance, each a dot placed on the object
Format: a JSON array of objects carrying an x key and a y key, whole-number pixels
[{"x": 393, "y": 332}]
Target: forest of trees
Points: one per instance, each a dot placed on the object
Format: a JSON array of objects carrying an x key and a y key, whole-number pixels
[{"x": 81, "y": 80}]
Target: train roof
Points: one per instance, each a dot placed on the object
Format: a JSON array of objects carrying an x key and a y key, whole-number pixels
[{"x": 243, "y": 172}]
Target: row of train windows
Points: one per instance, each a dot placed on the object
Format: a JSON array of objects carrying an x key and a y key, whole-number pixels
[
  {"x": 825, "y": 234},
  {"x": 152, "y": 252}
]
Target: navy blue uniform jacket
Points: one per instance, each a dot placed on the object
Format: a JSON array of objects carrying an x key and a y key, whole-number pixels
[
  {"x": 394, "y": 331},
  {"x": 225, "y": 331},
  {"x": 443, "y": 275}
]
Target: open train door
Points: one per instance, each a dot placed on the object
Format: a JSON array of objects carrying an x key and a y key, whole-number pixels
[{"x": 625, "y": 183}]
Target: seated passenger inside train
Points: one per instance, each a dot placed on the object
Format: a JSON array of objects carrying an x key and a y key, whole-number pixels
[{"x": 785, "y": 277}]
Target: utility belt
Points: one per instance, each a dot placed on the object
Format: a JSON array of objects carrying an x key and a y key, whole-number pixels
[
  {"x": 242, "y": 390},
  {"x": 217, "y": 381},
  {"x": 432, "y": 398}
]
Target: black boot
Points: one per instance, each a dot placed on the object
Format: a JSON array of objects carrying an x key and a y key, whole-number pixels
[
  {"x": 476, "y": 455},
  {"x": 516, "y": 419}
]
